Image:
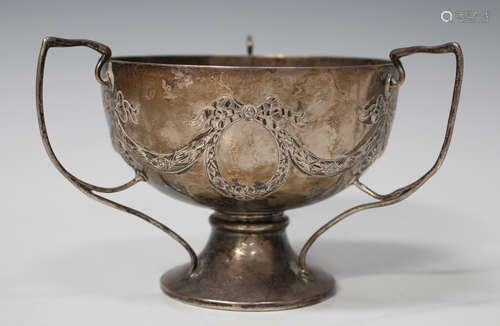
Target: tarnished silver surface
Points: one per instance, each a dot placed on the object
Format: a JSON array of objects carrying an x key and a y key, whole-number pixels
[
  {"x": 222, "y": 114},
  {"x": 249, "y": 136},
  {"x": 262, "y": 133}
]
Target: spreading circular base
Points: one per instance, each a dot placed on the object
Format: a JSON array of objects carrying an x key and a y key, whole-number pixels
[
  {"x": 248, "y": 266},
  {"x": 227, "y": 296}
]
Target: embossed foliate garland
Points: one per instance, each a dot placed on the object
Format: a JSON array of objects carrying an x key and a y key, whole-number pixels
[{"x": 274, "y": 118}]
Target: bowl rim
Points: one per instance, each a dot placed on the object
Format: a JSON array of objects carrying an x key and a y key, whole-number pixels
[{"x": 142, "y": 60}]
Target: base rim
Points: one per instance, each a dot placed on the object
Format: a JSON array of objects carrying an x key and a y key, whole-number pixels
[{"x": 328, "y": 286}]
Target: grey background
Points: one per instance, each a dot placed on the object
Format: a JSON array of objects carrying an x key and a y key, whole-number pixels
[{"x": 66, "y": 260}]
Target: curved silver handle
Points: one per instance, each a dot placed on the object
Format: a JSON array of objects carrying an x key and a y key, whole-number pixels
[
  {"x": 87, "y": 188},
  {"x": 403, "y": 192}
]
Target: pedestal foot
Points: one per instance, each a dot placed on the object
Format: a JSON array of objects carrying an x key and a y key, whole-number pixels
[{"x": 248, "y": 266}]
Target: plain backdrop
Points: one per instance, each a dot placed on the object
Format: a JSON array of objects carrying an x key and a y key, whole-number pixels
[{"x": 433, "y": 259}]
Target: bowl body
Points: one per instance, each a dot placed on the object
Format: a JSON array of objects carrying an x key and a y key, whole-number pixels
[{"x": 250, "y": 134}]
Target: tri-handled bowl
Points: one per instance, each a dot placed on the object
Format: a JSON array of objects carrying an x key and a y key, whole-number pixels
[{"x": 249, "y": 136}]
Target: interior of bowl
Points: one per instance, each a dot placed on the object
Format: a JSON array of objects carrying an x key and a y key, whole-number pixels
[{"x": 271, "y": 61}]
